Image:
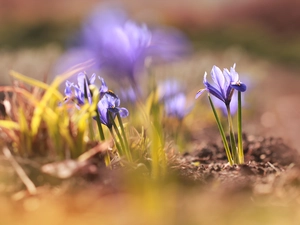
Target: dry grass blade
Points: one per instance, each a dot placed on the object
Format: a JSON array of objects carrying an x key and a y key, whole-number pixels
[
  {"x": 34, "y": 82},
  {"x": 101, "y": 147},
  {"x": 21, "y": 173},
  {"x": 9, "y": 125}
]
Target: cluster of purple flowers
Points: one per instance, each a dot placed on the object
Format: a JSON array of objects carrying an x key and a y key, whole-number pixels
[{"x": 108, "y": 103}]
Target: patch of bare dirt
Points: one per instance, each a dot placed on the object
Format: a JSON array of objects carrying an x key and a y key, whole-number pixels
[{"x": 269, "y": 162}]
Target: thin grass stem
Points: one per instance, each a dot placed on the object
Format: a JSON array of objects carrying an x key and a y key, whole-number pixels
[{"x": 31, "y": 188}]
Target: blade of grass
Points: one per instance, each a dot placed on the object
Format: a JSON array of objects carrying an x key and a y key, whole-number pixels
[
  {"x": 158, "y": 156},
  {"x": 127, "y": 150},
  {"x": 64, "y": 128},
  {"x": 25, "y": 134},
  {"x": 80, "y": 143},
  {"x": 30, "y": 97},
  {"x": 9, "y": 125},
  {"x": 119, "y": 148},
  {"x": 34, "y": 82}
]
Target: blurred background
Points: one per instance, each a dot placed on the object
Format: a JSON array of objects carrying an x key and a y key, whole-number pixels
[
  {"x": 262, "y": 37},
  {"x": 268, "y": 29}
]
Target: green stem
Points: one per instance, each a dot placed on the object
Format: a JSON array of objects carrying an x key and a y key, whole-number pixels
[
  {"x": 234, "y": 150},
  {"x": 127, "y": 151},
  {"x": 91, "y": 129},
  {"x": 118, "y": 134},
  {"x": 100, "y": 129},
  {"x": 240, "y": 137},
  {"x": 158, "y": 156},
  {"x": 227, "y": 149},
  {"x": 116, "y": 142}
]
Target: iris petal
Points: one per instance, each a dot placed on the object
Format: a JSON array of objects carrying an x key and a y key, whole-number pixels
[
  {"x": 103, "y": 87},
  {"x": 123, "y": 112},
  {"x": 93, "y": 78},
  {"x": 215, "y": 92},
  {"x": 200, "y": 92},
  {"x": 240, "y": 87},
  {"x": 228, "y": 78},
  {"x": 68, "y": 91},
  {"x": 234, "y": 74},
  {"x": 218, "y": 77},
  {"x": 80, "y": 80}
]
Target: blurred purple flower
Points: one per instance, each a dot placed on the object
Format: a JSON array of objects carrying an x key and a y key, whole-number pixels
[
  {"x": 168, "y": 44},
  {"x": 169, "y": 88},
  {"x": 128, "y": 95},
  {"x": 176, "y": 106},
  {"x": 120, "y": 46},
  {"x": 171, "y": 93},
  {"x": 225, "y": 84}
]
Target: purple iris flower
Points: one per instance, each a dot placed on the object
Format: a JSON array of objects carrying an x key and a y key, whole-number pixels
[
  {"x": 225, "y": 84},
  {"x": 79, "y": 89},
  {"x": 109, "y": 104}
]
